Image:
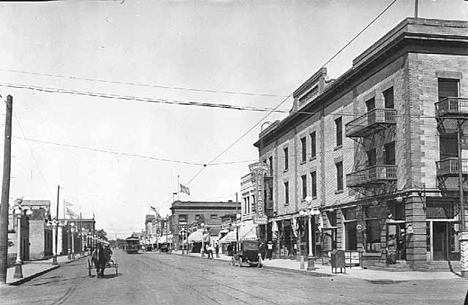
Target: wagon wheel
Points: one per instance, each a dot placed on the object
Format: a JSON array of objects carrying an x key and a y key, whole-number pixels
[{"x": 240, "y": 261}]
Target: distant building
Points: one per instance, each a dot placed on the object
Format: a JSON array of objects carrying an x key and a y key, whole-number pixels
[{"x": 194, "y": 215}]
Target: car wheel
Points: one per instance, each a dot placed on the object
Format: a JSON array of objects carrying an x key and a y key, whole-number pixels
[{"x": 240, "y": 261}]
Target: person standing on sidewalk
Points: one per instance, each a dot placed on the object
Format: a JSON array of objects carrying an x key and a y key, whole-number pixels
[
  {"x": 262, "y": 250},
  {"x": 217, "y": 249},
  {"x": 210, "y": 252},
  {"x": 270, "y": 249}
]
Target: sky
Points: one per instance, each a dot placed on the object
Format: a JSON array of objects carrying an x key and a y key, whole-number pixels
[{"x": 97, "y": 87}]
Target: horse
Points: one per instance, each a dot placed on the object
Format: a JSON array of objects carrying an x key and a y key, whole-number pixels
[{"x": 99, "y": 258}]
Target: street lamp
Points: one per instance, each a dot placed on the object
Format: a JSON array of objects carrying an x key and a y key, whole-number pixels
[
  {"x": 203, "y": 240},
  {"x": 19, "y": 211},
  {"x": 54, "y": 224},
  {"x": 310, "y": 212},
  {"x": 72, "y": 233}
]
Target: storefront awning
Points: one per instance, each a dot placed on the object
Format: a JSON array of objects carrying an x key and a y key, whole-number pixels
[
  {"x": 165, "y": 239},
  {"x": 248, "y": 232},
  {"x": 195, "y": 237},
  {"x": 229, "y": 238}
]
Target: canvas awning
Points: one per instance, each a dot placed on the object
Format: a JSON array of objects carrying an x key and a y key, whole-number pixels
[
  {"x": 165, "y": 239},
  {"x": 195, "y": 237},
  {"x": 229, "y": 238},
  {"x": 248, "y": 232}
]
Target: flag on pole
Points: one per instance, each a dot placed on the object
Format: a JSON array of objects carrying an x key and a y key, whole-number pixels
[
  {"x": 71, "y": 213},
  {"x": 68, "y": 204},
  {"x": 184, "y": 189}
]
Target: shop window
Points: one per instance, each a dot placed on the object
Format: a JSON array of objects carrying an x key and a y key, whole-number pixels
[{"x": 373, "y": 235}]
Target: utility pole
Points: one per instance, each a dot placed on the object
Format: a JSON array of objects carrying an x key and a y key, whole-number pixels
[{"x": 5, "y": 193}]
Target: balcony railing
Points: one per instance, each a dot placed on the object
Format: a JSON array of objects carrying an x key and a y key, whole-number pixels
[
  {"x": 452, "y": 106},
  {"x": 449, "y": 167},
  {"x": 366, "y": 123},
  {"x": 374, "y": 174}
]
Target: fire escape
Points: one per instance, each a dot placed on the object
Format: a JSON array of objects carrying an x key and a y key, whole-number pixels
[
  {"x": 371, "y": 131},
  {"x": 451, "y": 115}
]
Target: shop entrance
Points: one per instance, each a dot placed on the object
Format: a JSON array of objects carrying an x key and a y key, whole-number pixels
[{"x": 442, "y": 240}]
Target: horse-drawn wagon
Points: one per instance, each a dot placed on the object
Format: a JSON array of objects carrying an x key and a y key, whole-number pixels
[{"x": 100, "y": 260}]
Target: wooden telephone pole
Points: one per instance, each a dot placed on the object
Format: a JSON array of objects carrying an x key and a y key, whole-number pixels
[{"x": 5, "y": 192}]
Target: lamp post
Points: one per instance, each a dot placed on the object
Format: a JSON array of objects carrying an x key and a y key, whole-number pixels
[
  {"x": 238, "y": 218},
  {"x": 54, "y": 224},
  {"x": 72, "y": 233},
  {"x": 203, "y": 240},
  {"x": 310, "y": 212},
  {"x": 19, "y": 211}
]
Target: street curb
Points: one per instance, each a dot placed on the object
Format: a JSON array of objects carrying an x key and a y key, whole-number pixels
[
  {"x": 32, "y": 276},
  {"x": 310, "y": 273}
]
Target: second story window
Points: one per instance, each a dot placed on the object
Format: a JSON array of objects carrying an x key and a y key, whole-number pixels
[
  {"x": 304, "y": 186},
  {"x": 286, "y": 158},
  {"x": 339, "y": 131},
  {"x": 183, "y": 218},
  {"x": 304, "y": 149},
  {"x": 339, "y": 176},
  {"x": 286, "y": 193},
  {"x": 370, "y": 104},
  {"x": 313, "y": 177},
  {"x": 313, "y": 144}
]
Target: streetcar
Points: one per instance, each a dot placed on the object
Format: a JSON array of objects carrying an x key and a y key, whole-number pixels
[{"x": 132, "y": 244}]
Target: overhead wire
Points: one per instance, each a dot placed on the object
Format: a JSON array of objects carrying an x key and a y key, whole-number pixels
[
  {"x": 137, "y": 98},
  {"x": 140, "y": 84},
  {"x": 284, "y": 100},
  {"x": 124, "y": 153}
]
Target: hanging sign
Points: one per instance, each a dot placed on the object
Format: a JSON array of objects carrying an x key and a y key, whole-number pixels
[{"x": 258, "y": 170}]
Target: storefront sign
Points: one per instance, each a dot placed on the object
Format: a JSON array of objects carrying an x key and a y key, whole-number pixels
[{"x": 258, "y": 169}]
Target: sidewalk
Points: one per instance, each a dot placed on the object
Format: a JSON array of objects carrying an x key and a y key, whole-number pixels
[
  {"x": 32, "y": 269},
  {"x": 354, "y": 272}
]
